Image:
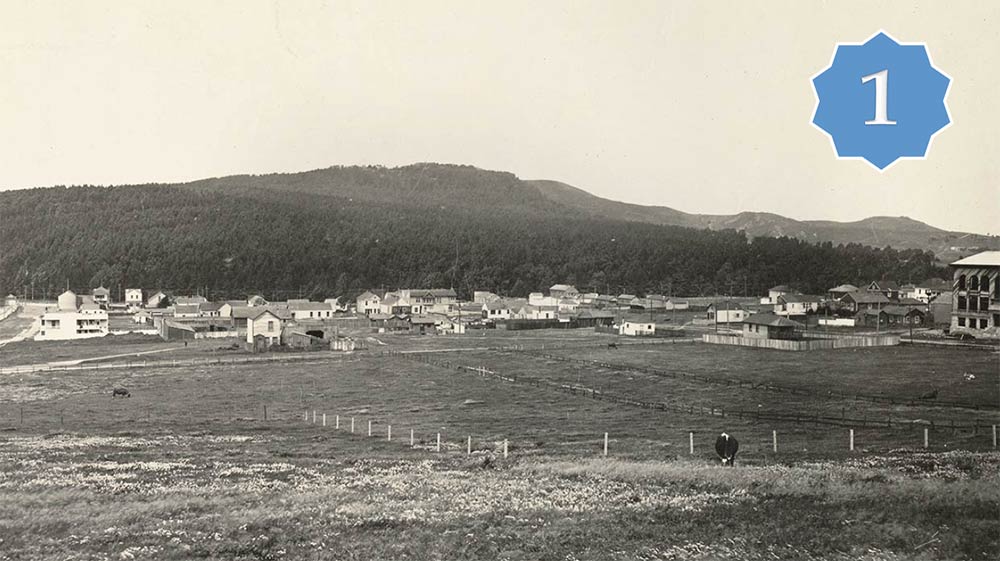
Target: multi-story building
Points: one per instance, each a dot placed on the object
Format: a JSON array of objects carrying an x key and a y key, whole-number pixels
[
  {"x": 133, "y": 297},
  {"x": 72, "y": 320},
  {"x": 976, "y": 291}
]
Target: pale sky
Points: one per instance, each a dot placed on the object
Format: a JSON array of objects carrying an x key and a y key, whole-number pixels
[{"x": 701, "y": 106}]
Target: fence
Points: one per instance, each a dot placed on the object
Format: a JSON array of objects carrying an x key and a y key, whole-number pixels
[
  {"x": 811, "y": 344},
  {"x": 714, "y": 411},
  {"x": 762, "y": 386}
]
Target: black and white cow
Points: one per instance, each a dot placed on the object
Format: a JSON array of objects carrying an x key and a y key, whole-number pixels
[{"x": 726, "y": 447}]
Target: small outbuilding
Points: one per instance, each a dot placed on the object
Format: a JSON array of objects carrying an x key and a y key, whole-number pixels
[{"x": 769, "y": 326}]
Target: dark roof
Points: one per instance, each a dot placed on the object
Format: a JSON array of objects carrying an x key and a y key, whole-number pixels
[
  {"x": 727, "y": 304},
  {"x": 884, "y": 285},
  {"x": 771, "y": 320},
  {"x": 260, "y": 310},
  {"x": 799, "y": 298},
  {"x": 865, "y": 297},
  {"x": 211, "y": 306}
]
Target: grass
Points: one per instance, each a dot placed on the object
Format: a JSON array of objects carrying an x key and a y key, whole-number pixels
[{"x": 188, "y": 468}]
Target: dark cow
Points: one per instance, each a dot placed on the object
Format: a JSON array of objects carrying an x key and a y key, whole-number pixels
[
  {"x": 726, "y": 447},
  {"x": 120, "y": 392},
  {"x": 612, "y": 345},
  {"x": 929, "y": 395}
]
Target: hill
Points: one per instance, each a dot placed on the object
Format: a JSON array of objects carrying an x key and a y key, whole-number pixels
[
  {"x": 343, "y": 229},
  {"x": 877, "y": 231}
]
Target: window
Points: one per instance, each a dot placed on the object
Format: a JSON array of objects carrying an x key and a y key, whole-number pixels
[
  {"x": 984, "y": 323},
  {"x": 984, "y": 303},
  {"x": 961, "y": 322},
  {"x": 961, "y": 282},
  {"x": 270, "y": 326},
  {"x": 961, "y": 303},
  {"x": 973, "y": 282},
  {"x": 973, "y": 304}
]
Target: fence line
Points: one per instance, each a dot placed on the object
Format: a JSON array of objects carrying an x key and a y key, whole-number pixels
[
  {"x": 762, "y": 386},
  {"x": 713, "y": 411}
]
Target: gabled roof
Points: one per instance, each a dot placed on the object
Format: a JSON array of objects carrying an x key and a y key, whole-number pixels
[
  {"x": 211, "y": 306},
  {"x": 307, "y": 306},
  {"x": 595, "y": 314},
  {"x": 101, "y": 291},
  {"x": 626, "y": 297},
  {"x": 984, "y": 259},
  {"x": 248, "y": 312},
  {"x": 883, "y": 285},
  {"x": 866, "y": 297},
  {"x": 563, "y": 287},
  {"x": 496, "y": 305},
  {"x": 367, "y": 295},
  {"x": 727, "y": 304},
  {"x": 771, "y": 320},
  {"x": 844, "y": 288},
  {"x": 910, "y": 302},
  {"x": 260, "y": 311},
  {"x": 390, "y": 301},
  {"x": 186, "y": 309}
]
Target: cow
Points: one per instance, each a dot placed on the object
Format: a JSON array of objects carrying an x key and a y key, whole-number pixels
[
  {"x": 120, "y": 392},
  {"x": 612, "y": 345},
  {"x": 929, "y": 395},
  {"x": 726, "y": 447}
]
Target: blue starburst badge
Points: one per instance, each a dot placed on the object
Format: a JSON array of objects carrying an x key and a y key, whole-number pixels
[{"x": 881, "y": 100}]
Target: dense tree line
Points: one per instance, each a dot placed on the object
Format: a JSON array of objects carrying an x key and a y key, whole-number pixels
[{"x": 240, "y": 238}]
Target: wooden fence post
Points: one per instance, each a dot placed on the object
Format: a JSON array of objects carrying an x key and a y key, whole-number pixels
[
  {"x": 438, "y": 448},
  {"x": 468, "y": 445},
  {"x": 352, "y": 425},
  {"x": 369, "y": 428},
  {"x": 926, "y": 439},
  {"x": 505, "y": 448},
  {"x": 389, "y": 433},
  {"x": 774, "y": 440},
  {"x": 852, "y": 439},
  {"x": 691, "y": 443},
  {"x": 324, "y": 419},
  {"x": 605, "y": 444},
  {"x": 336, "y": 422},
  {"x": 994, "y": 436},
  {"x": 265, "y": 412},
  {"x": 411, "y": 438}
]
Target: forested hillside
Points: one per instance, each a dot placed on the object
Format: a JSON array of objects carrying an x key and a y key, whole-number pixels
[{"x": 336, "y": 232}]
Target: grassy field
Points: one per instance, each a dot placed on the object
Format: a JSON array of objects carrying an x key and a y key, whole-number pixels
[{"x": 189, "y": 468}]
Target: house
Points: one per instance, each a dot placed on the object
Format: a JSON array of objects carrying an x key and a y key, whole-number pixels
[
  {"x": 227, "y": 307},
  {"x": 774, "y": 292},
  {"x": 529, "y": 311},
  {"x": 864, "y": 300},
  {"x": 306, "y": 310},
  {"x": 927, "y": 290},
  {"x": 265, "y": 324},
  {"x": 156, "y": 299},
  {"x": 891, "y": 316},
  {"x": 889, "y": 288},
  {"x": 72, "y": 321},
  {"x": 423, "y": 324},
  {"x": 483, "y": 296},
  {"x": 726, "y": 312},
  {"x": 133, "y": 297},
  {"x": 672, "y": 304},
  {"x": 389, "y": 323},
  {"x": 976, "y": 295},
  {"x": 102, "y": 296},
  {"x": 769, "y": 326},
  {"x": 838, "y": 292},
  {"x": 190, "y": 300},
  {"x": 496, "y": 310},
  {"x": 563, "y": 291},
  {"x": 427, "y": 300},
  {"x": 567, "y": 305},
  {"x": 211, "y": 309},
  {"x": 589, "y": 297},
  {"x": 637, "y": 329},
  {"x": 796, "y": 304},
  {"x": 241, "y": 316},
  {"x": 187, "y": 310},
  {"x": 368, "y": 303},
  {"x": 142, "y": 317},
  {"x": 593, "y": 318},
  {"x": 625, "y": 300}
]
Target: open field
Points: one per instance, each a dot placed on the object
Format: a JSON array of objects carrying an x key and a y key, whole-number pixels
[{"x": 188, "y": 466}]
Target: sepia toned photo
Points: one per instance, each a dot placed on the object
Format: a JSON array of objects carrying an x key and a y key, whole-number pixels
[{"x": 447, "y": 280}]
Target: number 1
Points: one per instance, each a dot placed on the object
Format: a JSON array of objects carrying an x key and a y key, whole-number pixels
[{"x": 881, "y": 97}]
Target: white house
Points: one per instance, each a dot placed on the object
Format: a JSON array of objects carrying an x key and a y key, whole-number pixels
[
  {"x": 483, "y": 296},
  {"x": 133, "y": 297},
  {"x": 187, "y": 311},
  {"x": 72, "y": 322},
  {"x": 773, "y": 293},
  {"x": 563, "y": 291},
  {"x": 497, "y": 309},
  {"x": 636, "y": 329},
  {"x": 310, "y": 310},
  {"x": 368, "y": 303},
  {"x": 672, "y": 304},
  {"x": 528, "y": 311},
  {"x": 796, "y": 304},
  {"x": 154, "y": 300},
  {"x": 264, "y": 323},
  {"x": 726, "y": 312},
  {"x": 102, "y": 296}
]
